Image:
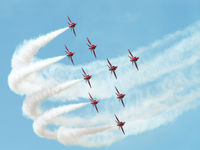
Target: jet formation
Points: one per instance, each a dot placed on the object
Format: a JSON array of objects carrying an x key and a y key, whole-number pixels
[{"x": 111, "y": 68}]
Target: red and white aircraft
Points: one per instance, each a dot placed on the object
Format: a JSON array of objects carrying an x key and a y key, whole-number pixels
[
  {"x": 94, "y": 102},
  {"x": 92, "y": 47},
  {"x": 133, "y": 59},
  {"x": 112, "y": 68},
  {"x": 72, "y": 25},
  {"x": 120, "y": 96},
  {"x": 69, "y": 54},
  {"x": 120, "y": 124},
  {"x": 87, "y": 77}
]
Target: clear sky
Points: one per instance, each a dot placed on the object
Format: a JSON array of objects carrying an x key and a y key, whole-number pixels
[{"x": 115, "y": 26}]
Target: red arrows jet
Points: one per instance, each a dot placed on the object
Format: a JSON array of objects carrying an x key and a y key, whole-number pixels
[
  {"x": 87, "y": 77},
  {"x": 120, "y": 124},
  {"x": 69, "y": 54},
  {"x": 120, "y": 96},
  {"x": 94, "y": 102},
  {"x": 112, "y": 68},
  {"x": 133, "y": 59},
  {"x": 92, "y": 47},
  {"x": 72, "y": 25}
]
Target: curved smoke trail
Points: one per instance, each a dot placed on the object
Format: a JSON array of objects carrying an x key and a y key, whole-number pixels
[
  {"x": 24, "y": 79},
  {"x": 166, "y": 86}
]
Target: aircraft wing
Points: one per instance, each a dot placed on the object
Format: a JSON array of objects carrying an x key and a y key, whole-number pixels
[
  {"x": 122, "y": 130},
  {"x": 94, "y": 53},
  {"x": 96, "y": 108},
  {"x": 109, "y": 62},
  {"x": 83, "y": 71},
  {"x": 89, "y": 41},
  {"x": 74, "y": 31},
  {"x": 115, "y": 74},
  {"x": 69, "y": 19},
  {"x": 130, "y": 53},
  {"x": 90, "y": 97},
  {"x": 72, "y": 60},
  {"x": 136, "y": 65},
  {"x": 117, "y": 90},
  {"x": 122, "y": 102},
  {"x": 66, "y": 48},
  {"x": 117, "y": 118},
  {"x": 89, "y": 83}
]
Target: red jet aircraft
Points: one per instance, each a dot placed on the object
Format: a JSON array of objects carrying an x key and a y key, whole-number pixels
[
  {"x": 112, "y": 68},
  {"x": 72, "y": 25},
  {"x": 87, "y": 77},
  {"x": 120, "y": 124},
  {"x": 92, "y": 47},
  {"x": 69, "y": 54},
  {"x": 133, "y": 59},
  {"x": 120, "y": 96},
  {"x": 94, "y": 102}
]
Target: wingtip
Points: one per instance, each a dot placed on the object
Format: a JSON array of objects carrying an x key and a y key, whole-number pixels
[
  {"x": 115, "y": 77},
  {"x": 82, "y": 69}
]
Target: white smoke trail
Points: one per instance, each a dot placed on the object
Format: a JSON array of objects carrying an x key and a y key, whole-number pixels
[
  {"x": 166, "y": 86},
  {"x": 19, "y": 74},
  {"x": 84, "y": 136},
  {"x": 24, "y": 75},
  {"x": 32, "y": 102},
  {"x": 41, "y": 122},
  {"x": 25, "y": 53}
]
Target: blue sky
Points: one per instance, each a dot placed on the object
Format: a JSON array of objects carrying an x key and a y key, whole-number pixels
[{"x": 114, "y": 26}]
